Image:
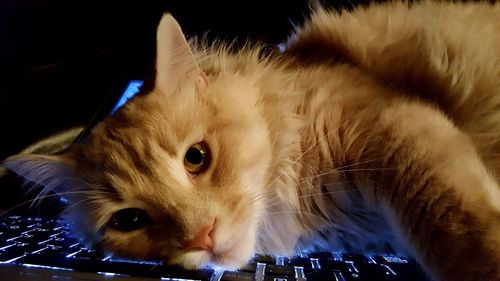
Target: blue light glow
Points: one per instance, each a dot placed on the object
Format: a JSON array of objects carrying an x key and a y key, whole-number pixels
[
  {"x": 8, "y": 246},
  {"x": 72, "y": 254},
  {"x": 119, "y": 259},
  {"x": 389, "y": 270},
  {"x": 394, "y": 259},
  {"x": 280, "y": 260},
  {"x": 106, "y": 273},
  {"x": 299, "y": 273},
  {"x": 106, "y": 258},
  {"x": 132, "y": 89},
  {"x": 111, "y": 274},
  {"x": 281, "y": 47},
  {"x": 351, "y": 266},
  {"x": 337, "y": 256},
  {"x": 11, "y": 260},
  {"x": 46, "y": 267},
  {"x": 38, "y": 251},
  {"x": 176, "y": 279},
  {"x": 218, "y": 273},
  {"x": 315, "y": 263}
]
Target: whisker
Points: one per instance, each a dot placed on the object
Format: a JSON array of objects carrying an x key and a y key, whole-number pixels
[
  {"x": 342, "y": 171},
  {"x": 304, "y": 187},
  {"x": 323, "y": 193},
  {"x": 76, "y": 204},
  {"x": 299, "y": 213},
  {"x": 156, "y": 265},
  {"x": 320, "y": 139},
  {"x": 339, "y": 170},
  {"x": 275, "y": 201},
  {"x": 39, "y": 198},
  {"x": 275, "y": 135}
]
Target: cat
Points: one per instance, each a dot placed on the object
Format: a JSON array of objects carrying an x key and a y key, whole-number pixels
[{"x": 373, "y": 127}]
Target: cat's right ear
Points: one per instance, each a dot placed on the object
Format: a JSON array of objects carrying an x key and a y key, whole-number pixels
[
  {"x": 52, "y": 172},
  {"x": 175, "y": 62}
]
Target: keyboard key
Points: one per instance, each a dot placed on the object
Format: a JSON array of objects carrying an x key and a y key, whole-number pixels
[
  {"x": 30, "y": 247},
  {"x": 47, "y": 257},
  {"x": 26, "y": 224},
  {"x": 299, "y": 261},
  {"x": 11, "y": 254},
  {"x": 67, "y": 245},
  {"x": 23, "y": 239},
  {"x": 376, "y": 271},
  {"x": 272, "y": 269},
  {"x": 51, "y": 224},
  {"x": 249, "y": 267},
  {"x": 41, "y": 234},
  {"x": 47, "y": 242},
  {"x": 53, "y": 258},
  {"x": 407, "y": 271},
  {"x": 9, "y": 232},
  {"x": 333, "y": 265},
  {"x": 358, "y": 259},
  {"x": 167, "y": 271},
  {"x": 237, "y": 276},
  {"x": 279, "y": 278},
  {"x": 318, "y": 275},
  {"x": 390, "y": 260},
  {"x": 264, "y": 259},
  {"x": 88, "y": 254}
]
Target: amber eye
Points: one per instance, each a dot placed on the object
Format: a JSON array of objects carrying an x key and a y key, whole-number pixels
[
  {"x": 129, "y": 219},
  {"x": 197, "y": 158}
]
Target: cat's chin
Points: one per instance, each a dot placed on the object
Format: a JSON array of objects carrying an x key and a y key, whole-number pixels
[
  {"x": 200, "y": 259},
  {"x": 229, "y": 261},
  {"x": 226, "y": 257}
]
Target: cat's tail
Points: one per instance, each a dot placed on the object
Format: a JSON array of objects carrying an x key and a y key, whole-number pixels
[{"x": 446, "y": 53}]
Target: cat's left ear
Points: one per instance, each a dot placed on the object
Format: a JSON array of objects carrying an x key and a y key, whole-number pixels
[
  {"x": 175, "y": 62},
  {"x": 52, "y": 172}
]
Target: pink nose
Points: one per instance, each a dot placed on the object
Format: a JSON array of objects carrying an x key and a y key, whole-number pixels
[{"x": 203, "y": 240}]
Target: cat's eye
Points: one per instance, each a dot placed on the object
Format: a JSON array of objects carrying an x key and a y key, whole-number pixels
[
  {"x": 129, "y": 219},
  {"x": 197, "y": 158}
]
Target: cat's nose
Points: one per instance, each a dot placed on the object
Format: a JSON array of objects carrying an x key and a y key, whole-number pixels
[{"x": 203, "y": 240}]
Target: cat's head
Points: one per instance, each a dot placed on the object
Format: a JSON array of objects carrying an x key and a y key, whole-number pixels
[{"x": 178, "y": 173}]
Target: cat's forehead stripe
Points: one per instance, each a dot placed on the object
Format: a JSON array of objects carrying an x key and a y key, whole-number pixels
[
  {"x": 222, "y": 171},
  {"x": 134, "y": 151}
]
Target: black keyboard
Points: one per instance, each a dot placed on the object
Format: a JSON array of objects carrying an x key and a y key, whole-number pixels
[{"x": 44, "y": 243}]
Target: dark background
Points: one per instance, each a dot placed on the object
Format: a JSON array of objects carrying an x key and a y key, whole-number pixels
[{"x": 60, "y": 58}]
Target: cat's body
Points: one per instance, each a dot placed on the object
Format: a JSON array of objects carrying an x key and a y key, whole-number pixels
[{"x": 374, "y": 127}]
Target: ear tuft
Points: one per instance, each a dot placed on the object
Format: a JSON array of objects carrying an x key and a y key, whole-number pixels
[
  {"x": 52, "y": 172},
  {"x": 175, "y": 62}
]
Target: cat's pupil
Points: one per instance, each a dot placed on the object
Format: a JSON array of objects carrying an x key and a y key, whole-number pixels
[
  {"x": 197, "y": 158},
  {"x": 129, "y": 219},
  {"x": 194, "y": 156}
]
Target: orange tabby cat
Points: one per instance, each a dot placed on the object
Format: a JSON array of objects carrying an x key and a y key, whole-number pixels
[{"x": 374, "y": 127}]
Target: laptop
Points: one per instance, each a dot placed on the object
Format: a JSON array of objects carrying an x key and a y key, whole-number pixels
[{"x": 38, "y": 246}]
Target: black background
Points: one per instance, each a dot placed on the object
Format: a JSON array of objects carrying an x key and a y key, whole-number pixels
[{"x": 59, "y": 58}]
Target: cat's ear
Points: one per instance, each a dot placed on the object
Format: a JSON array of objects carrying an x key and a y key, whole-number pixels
[
  {"x": 175, "y": 62},
  {"x": 52, "y": 172}
]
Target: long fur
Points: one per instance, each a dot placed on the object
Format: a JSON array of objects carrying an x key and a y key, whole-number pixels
[{"x": 375, "y": 129}]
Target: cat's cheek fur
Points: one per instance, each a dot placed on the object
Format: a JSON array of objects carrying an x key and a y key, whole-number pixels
[{"x": 239, "y": 254}]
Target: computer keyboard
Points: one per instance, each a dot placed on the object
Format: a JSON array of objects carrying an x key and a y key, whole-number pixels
[{"x": 45, "y": 243}]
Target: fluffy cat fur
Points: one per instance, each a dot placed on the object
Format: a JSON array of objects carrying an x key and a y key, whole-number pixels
[{"x": 374, "y": 127}]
